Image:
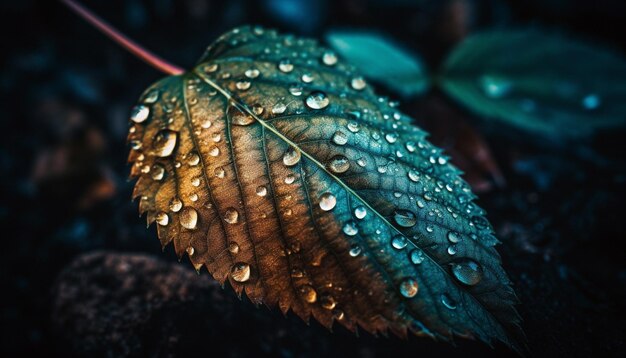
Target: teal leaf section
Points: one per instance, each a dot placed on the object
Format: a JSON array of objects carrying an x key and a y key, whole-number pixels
[
  {"x": 267, "y": 165},
  {"x": 382, "y": 60},
  {"x": 540, "y": 82}
]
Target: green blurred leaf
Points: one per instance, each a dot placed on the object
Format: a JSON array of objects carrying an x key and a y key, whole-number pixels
[
  {"x": 382, "y": 60},
  {"x": 539, "y": 82}
]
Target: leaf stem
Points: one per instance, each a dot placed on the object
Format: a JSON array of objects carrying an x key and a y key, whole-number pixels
[{"x": 121, "y": 39}]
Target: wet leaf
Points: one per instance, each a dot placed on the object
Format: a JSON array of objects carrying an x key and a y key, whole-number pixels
[
  {"x": 539, "y": 82},
  {"x": 268, "y": 164},
  {"x": 380, "y": 59}
]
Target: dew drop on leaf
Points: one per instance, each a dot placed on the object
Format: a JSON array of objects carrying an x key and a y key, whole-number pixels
[
  {"x": 308, "y": 293},
  {"x": 279, "y": 108},
  {"x": 340, "y": 138},
  {"x": 151, "y": 97},
  {"x": 327, "y": 201},
  {"x": 329, "y": 58},
  {"x": 291, "y": 157},
  {"x": 194, "y": 159},
  {"x": 233, "y": 248},
  {"x": 162, "y": 219},
  {"x": 164, "y": 143},
  {"x": 188, "y": 218},
  {"x": 399, "y": 242},
  {"x": 355, "y": 250},
  {"x": 404, "y": 218},
  {"x": 285, "y": 65},
  {"x": 231, "y": 216},
  {"x": 448, "y": 301},
  {"x": 240, "y": 272},
  {"x": 358, "y": 83},
  {"x": 339, "y": 164},
  {"x": 252, "y": 73},
  {"x": 238, "y": 117},
  {"x": 454, "y": 237},
  {"x": 467, "y": 271},
  {"x": 261, "y": 191},
  {"x": 328, "y": 302},
  {"x": 417, "y": 256},
  {"x": 350, "y": 229},
  {"x": 360, "y": 212},
  {"x": 139, "y": 113},
  {"x": 409, "y": 287},
  {"x": 317, "y": 100},
  {"x": 157, "y": 172},
  {"x": 175, "y": 205}
]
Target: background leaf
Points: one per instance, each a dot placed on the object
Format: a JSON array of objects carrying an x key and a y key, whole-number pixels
[
  {"x": 539, "y": 82},
  {"x": 382, "y": 60},
  {"x": 272, "y": 164}
]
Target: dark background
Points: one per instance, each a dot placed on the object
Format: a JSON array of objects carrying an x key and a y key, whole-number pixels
[{"x": 81, "y": 275}]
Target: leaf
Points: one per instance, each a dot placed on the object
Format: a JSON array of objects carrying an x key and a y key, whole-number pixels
[
  {"x": 269, "y": 166},
  {"x": 539, "y": 82},
  {"x": 381, "y": 60}
]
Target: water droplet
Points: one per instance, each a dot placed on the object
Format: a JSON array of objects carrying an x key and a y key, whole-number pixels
[
  {"x": 211, "y": 68},
  {"x": 261, "y": 191},
  {"x": 327, "y": 201},
  {"x": 190, "y": 250},
  {"x": 193, "y": 197},
  {"x": 233, "y": 248},
  {"x": 242, "y": 85},
  {"x": 414, "y": 175},
  {"x": 417, "y": 256},
  {"x": 409, "y": 287},
  {"x": 355, "y": 250},
  {"x": 350, "y": 228},
  {"x": 240, "y": 272},
  {"x": 360, "y": 212},
  {"x": 219, "y": 172},
  {"x": 231, "y": 216},
  {"x": 164, "y": 143},
  {"x": 358, "y": 83},
  {"x": 448, "y": 301},
  {"x": 285, "y": 65},
  {"x": 329, "y": 58},
  {"x": 188, "y": 218},
  {"x": 399, "y": 242},
  {"x": 338, "y": 314},
  {"x": 195, "y": 182},
  {"x": 317, "y": 100},
  {"x": 353, "y": 127},
  {"x": 454, "y": 237},
  {"x": 162, "y": 219},
  {"x": 258, "y": 109},
  {"x": 404, "y": 218},
  {"x": 309, "y": 293},
  {"x": 291, "y": 157},
  {"x": 410, "y": 146},
  {"x": 279, "y": 108},
  {"x": 467, "y": 271},
  {"x": 480, "y": 222},
  {"x": 135, "y": 144},
  {"x": 591, "y": 102},
  {"x": 339, "y": 164},
  {"x": 328, "y": 302},
  {"x": 238, "y": 117},
  {"x": 194, "y": 159},
  {"x": 362, "y": 162},
  {"x": 420, "y": 204},
  {"x": 430, "y": 228},
  {"x": 307, "y": 78},
  {"x": 157, "y": 172},
  {"x": 176, "y": 205},
  {"x": 206, "y": 123},
  {"x": 391, "y": 137},
  {"x": 495, "y": 86},
  {"x": 139, "y": 113},
  {"x": 340, "y": 138},
  {"x": 451, "y": 250},
  {"x": 289, "y": 179},
  {"x": 295, "y": 90},
  {"x": 151, "y": 97},
  {"x": 252, "y": 73},
  {"x": 214, "y": 151}
]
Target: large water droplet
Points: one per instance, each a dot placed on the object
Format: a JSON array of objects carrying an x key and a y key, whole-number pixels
[
  {"x": 327, "y": 201},
  {"x": 176, "y": 205},
  {"x": 417, "y": 256},
  {"x": 279, "y": 108},
  {"x": 317, "y": 100},
  {"x": 285, "y": 65},
  {"x": 414, "y": 175},
  {"x": 391, "y": 137},
  {"x": 139, "y": 113},
  {"x": 409, "y": 287},
  {"x": 404, "y": 218},
  {"x": 157, "y": 172},
  {"x": 309, "y": 293},
  {"x": 162, "y": 219},
  {"x": 190, "y": 250},
  {"x": 495, "y": 86},
  {"x": 252, "y": 73},
  {"x": 329, "y": 58},
  {"x": 214, "y": 151},
  {"x": 339, "y": 164},
  {"x": 454, "y": 237},
  {"x": 355, "y": 250},
  {"x": 399, "y": 242},
  {"x": 467, "y": 271},
  {"x": 350, "y": 228},
  {"x": 328, "y": 302},
  {"x": 295, "y": 90},
  {"x": 261, "y": 191},
  {"x": 240, "y": 272},
  {"x": 151, "y": 97},
  {"x": 291, "y": 157},
  {"x": 307, "y": 78},
  {"x": 194, "y": 159},
  {"x": 188, "y": 218},
  {"x": 480, "y": 222},
  {"x": 340, "y": 138},
  {"x": 358, "y": 83},
  {"x": 231, "y": 216},
  {"x": 360, "y": 212},
  {"x": 238, "y": 117},
  {"x": 164, "y": 143},
  {"x": 448, "y": 301},
  {"x": 243, "y": 85}
]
